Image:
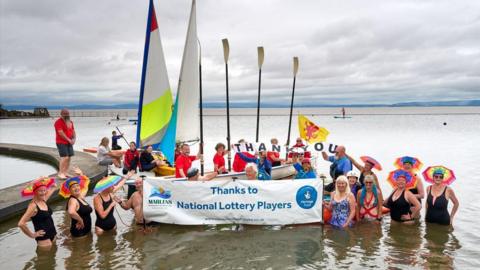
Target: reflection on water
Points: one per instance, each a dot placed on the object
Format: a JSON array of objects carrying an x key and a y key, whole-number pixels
[{"x": 441, "y": 245}]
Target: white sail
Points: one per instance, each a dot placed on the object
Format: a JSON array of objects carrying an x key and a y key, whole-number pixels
[{"x": 188, "y": 94}]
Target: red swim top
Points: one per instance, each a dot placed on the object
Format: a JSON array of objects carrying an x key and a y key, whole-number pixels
[{"x": 271, "y": 155}]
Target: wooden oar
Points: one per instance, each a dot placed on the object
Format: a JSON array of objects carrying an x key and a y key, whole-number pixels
[
  {"x": 226, "y": 52},
  {"x": 295, "y": 70},
  {"x": 260, "y": 63}
]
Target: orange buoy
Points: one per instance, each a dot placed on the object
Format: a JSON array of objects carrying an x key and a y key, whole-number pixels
[{"x": 327, "y": 215}]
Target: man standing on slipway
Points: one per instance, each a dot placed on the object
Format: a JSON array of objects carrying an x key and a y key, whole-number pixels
[{"x": 65, "y": 139}]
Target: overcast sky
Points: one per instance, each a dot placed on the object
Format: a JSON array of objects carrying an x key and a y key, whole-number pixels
[{"x": 90, "y": 51}]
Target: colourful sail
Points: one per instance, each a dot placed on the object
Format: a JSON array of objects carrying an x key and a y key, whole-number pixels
[
  {"x": 155, "y": 106},
  {"x": 185, "y": 122}
]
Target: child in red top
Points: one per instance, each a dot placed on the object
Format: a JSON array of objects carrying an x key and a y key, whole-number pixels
[{"x": 219, "y": 160}]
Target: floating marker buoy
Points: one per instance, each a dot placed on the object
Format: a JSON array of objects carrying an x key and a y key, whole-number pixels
[{"x": 444, "y": 123}]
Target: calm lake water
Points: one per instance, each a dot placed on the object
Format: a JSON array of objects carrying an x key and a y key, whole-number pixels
[{"x": 447, "y": 136}]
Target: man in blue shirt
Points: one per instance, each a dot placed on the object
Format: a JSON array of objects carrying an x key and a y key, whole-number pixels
[{"x": 340, "y": 165}]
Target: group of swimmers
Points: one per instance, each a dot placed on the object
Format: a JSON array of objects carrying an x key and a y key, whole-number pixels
[
  {"x": 354, "y": 200},
  {"x": 79, "y": 210}
]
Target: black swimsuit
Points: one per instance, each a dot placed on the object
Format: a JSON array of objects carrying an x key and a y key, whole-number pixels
[
  {"x": 398, "y": 207},
  {"x": 437, "y": 212},
  {"x": 43, "y": 221},
  {"x": 84, "y": 212},
  {"x": 109, "y": 221}
]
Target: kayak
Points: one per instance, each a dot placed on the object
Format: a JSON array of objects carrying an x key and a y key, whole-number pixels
[{"x": 92, "y": 150}]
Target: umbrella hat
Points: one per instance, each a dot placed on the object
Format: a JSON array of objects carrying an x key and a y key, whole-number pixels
[
  {"x": 82, "y": 180},
  {"x": 107, "y": 182},
  {"x": 374, "y": 162},
  {"x": 415, "y": 162},
  {"x": 411, "y": 180},
  {"x": 29, "y": 190},
  {"x": 448, "y": 174}
]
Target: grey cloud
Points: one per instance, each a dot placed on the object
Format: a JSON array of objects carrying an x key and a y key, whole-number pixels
[{"x": 350, "y": 52}]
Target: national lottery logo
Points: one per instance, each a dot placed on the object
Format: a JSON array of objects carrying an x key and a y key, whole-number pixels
[
  {"x": 306, "y": 197},
  {"x": 160, "y": 197}
]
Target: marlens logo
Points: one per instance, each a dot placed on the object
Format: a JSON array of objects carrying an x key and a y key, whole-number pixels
[{"x": 160, "y": 193}]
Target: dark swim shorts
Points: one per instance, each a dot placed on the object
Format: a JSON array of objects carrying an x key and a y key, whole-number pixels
[{"x": 65, "y": 150}]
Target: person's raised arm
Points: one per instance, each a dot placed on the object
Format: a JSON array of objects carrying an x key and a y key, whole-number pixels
[
  {"x": 245, "y": 158},
  {"x": 50, "y": 191},
  {"x": 355, "y": 163},
  {"x": 325, "y": 156}
]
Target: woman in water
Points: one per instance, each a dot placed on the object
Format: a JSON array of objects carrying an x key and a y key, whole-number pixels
[
  {"x": 342, "y": 204},
  {"x": 369, "y": 201},
  {"x": 353, "y": 182},
  {"x": 418, "y": 191},
  {"x": 78, "y": 209},
  {"x": 437, "y": 201},
  {"x": 104, "y": 204},
  {"x": 40, "y": 214},
  {"x": 400, "y": 200},
  {"x": 365, "y": 170}
]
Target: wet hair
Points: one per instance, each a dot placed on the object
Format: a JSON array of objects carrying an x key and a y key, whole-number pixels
[
  {"x": 219, "y": 145},
  {"x": 364, "y": 191}
]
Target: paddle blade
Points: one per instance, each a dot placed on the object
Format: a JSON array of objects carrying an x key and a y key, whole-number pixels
[
  {"x": 261, "y": 57},
  {"x": 295, "y": 66},
  {"x": 226, "y": 49}
]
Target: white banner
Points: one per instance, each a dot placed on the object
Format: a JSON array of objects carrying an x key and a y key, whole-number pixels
[{"x": 276, "y": 202}]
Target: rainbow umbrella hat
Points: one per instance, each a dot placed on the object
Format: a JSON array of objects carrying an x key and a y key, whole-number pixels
[
  {"x": 107, "y": 182},
  {"x": 82, "y": 180},
  {"x": 29, "y": 190},
  {"x": 416, "y": 163},
  {"x": 374, "y": 162},
  {"x": 411, "y": 180},
  {"x": 448, "y": 175}
]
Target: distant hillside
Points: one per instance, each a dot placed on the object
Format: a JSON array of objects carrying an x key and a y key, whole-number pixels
[{"x": 254, "y": 105}]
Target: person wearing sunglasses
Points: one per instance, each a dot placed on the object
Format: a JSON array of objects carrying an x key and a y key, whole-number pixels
[
  {"x": 369, "y": 201},
  {"x": 437, "y": 201}
]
